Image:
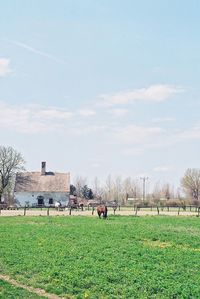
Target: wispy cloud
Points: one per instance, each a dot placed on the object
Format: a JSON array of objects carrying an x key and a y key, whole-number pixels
[
  {"x": 85, "y": 129},
  {"x": 95, "y": 165},
  {"x": 118, "y": 112},
  {"x": 163, "y": 119},
  {"x": 162, "y": 168},
  {"x": 153, "y": 93},
  {"x": 192, "y": 133},
  {"x": 137, "y": 134},
  {"x": 32, "y": 118},
  {"x": 54, "y": 113},
  {"x": 86, "y": 112},
  {"x": 36, "y": 51},
  {"x": 5, "y": 67}
]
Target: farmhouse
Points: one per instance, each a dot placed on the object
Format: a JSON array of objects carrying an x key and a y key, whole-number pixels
[{"x": 42, "y": 188}]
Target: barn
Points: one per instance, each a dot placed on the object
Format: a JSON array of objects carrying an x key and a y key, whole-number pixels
[{"x": 42, "y": 188}]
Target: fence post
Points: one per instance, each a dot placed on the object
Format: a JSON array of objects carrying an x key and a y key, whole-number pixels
[
  {"x": 48, "y": 212},
  {"x": 178, "y": 210},
  {"x": 198, "y": 211},
  {"x": 70, "y": 211},
  {"x": 92, "y": 210},
  {"x": 24, "y": 210},
  {"x": 158, "y": 210},
  {"x": 114, "y": 209},
  {"x": 136, "y": 211}
]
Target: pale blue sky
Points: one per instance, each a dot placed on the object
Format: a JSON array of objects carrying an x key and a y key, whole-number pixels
[{"x": 98, "y": 87}]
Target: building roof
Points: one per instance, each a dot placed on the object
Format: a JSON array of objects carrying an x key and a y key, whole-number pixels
[{"x": 37, "y": 182}]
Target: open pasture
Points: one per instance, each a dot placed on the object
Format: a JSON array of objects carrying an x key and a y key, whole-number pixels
[{"x": 84, "y": 257}]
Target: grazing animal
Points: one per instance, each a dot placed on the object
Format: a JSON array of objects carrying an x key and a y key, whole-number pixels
[
  {"x": 57, "y": 205},
  {"x": 102, "y": 210}
]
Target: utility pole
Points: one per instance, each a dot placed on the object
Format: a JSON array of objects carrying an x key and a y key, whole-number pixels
[{"x": 144, "y": 185}]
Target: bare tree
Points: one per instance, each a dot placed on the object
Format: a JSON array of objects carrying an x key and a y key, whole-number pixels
[
  {"x": 167, "y": 191},
  {"x": 97, "y": 189},
  {"x": 191, "y": 182},
  {"x": 117, "y": 189},
  {"x": 131, "y": 189},
  {"x": 79, "y": 183},
  {"x": 10, "y": 162},
  {"x": 108, "y": 189}
]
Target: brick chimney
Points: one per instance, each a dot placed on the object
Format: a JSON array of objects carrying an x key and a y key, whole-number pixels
[{"x": 43, "y": 168}]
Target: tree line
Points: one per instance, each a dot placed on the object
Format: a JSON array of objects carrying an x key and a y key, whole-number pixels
[{"x": 114, "y": 189}]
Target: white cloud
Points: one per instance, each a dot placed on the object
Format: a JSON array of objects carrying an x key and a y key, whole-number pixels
[
  {"x": 118, "y": 112},
  {"x": 32, "y": 118},
  {"x": 137, "y": 134},
  {"x": 153, "y": 93},
  {"x": 55, "y": 113},
  {"x": 84, "y": 129},
  {"x": 4, "y": 67},
  {"x": 95, "y": 165},
  {"x": 162, "y": 168},
  {"x": 87, "y": 112},
  {"x": 163, "y": 119},
  {"x": 193, "y": 133},
  {"x": 133, "y": 151}
]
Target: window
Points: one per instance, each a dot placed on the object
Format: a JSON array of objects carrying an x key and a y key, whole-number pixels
[
  {"x": 50, "y": 201},
  {"x": 40, "y": 200}
]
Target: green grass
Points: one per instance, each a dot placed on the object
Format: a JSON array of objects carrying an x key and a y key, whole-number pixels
[
  {"x": 8, "y": 291},
  {"x": 122, "y": 257}
]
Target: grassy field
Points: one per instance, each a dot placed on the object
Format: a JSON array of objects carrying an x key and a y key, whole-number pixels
[
  {"x": 8, "y": 291},
  {"x": 84, "y": 257}
]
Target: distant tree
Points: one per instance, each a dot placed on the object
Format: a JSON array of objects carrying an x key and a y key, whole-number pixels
[
  {"x": 79, "y": 183},
  {"x": 191, "y": 182},
  {"x": 167, "y": 191},
  {"x": 86, "y": 192},
  {"x": 131, "y": 188},
  {"x": 108, "y": 188},
  {"x": 90, "y": 194},
  {"x": 72, "y": 190},
  {"x": 10, "y": 162},
  {"x": 96, "y": 188}
]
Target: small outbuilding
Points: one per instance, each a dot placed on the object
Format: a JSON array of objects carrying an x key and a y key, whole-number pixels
[{"x": 42, "y": 188}]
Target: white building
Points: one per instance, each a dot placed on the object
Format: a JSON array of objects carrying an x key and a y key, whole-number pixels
[{"x": 42, "y": 188}]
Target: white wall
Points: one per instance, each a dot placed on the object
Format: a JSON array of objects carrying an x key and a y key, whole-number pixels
[{"x": 30, "y": 198}]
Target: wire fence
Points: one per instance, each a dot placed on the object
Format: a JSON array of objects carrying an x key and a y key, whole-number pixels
[{"x": 137, "y": 210}]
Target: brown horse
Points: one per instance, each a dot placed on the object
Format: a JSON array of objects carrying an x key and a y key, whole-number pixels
[{"x": 102, "y": 210}]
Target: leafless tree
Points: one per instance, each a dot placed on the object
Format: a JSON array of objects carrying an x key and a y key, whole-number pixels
[
  {"x": 131, "y": 189},
  {"x": 191, "y": 182},
  {"x": 163, "y": 191},
  {"x": 96, "y": 188},
  {"x": 10, "y": 162},
  {"x": 108, "y": 189},
  {"x": 167, "y": 191},
  {"x": 118, "y": 189},
  {"x": 79, "y": 182}
]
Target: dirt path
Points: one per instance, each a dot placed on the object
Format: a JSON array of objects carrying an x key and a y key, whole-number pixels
[
  {"x": 89, "y": 213},
  {"x": 39, "y": 292}
]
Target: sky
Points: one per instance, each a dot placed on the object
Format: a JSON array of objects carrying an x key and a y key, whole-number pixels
[{"x": 102, "y": 87}]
